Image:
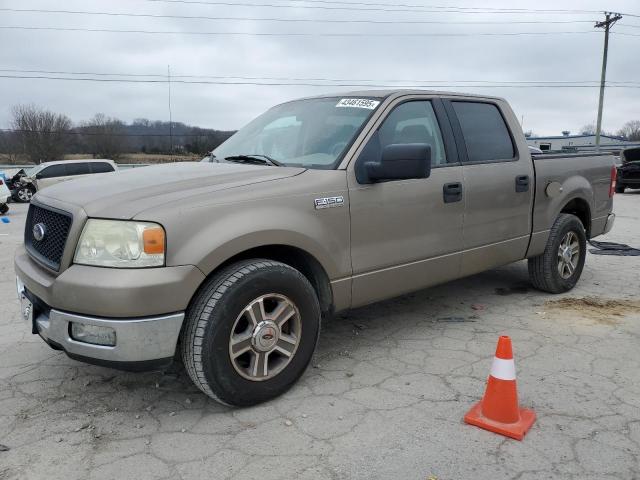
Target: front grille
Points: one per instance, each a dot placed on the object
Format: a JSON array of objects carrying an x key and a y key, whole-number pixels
[{"x": 56, "y": 224}]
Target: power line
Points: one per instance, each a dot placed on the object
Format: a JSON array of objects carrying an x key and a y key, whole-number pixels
[
  {"x": 294, "y": 34},
  {"x": 310, "y": 79},
  {"x": 289, "y": 20},
  {"x": 378, "y": 7},
  {"x": 309, "y": 84}
]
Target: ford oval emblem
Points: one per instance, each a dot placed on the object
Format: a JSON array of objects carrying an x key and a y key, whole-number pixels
[{"x": 39, "y": 231}]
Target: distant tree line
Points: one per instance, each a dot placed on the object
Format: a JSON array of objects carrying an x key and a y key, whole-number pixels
[
  {"x": 41, "y": 135},
  {"x": 630, "y": 131}
]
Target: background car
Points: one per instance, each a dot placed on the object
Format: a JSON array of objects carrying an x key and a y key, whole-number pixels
[
  {"x": 50, "y": 173},
  {"x": 5, "y": 195},
  {"x": 629, "y": 171}
]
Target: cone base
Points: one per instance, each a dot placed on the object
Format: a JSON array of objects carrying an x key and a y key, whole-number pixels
[{"x": 514, "y": 430}]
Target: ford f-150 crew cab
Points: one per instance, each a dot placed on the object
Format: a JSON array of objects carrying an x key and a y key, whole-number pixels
[{"x": 318, "y": 205}]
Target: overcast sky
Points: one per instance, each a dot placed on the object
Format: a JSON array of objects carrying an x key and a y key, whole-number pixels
[{"x": 381, "y": 60}]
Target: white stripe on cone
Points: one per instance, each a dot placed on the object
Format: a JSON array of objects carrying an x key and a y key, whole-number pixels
[{"x": 503, "y": 369}]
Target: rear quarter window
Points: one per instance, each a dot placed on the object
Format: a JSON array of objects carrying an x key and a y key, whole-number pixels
[
  {"x": 485, "y": 132},
  {"x": 101, "y": 167}
]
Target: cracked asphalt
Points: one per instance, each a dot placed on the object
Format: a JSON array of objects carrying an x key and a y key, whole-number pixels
[{"x": 384, "y": 398}]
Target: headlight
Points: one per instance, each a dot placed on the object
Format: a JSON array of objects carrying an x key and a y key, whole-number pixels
[{"x": 121, "y": 244}]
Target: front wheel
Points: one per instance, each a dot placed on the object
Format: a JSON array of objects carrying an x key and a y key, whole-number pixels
[
  {"x": 4, "y": 208},
  {"x": 559, "y": 268},
  {"x": 24, "y": 194},
  {"x": 619, "y": 188},
  {"x": 250, "y": 332}
]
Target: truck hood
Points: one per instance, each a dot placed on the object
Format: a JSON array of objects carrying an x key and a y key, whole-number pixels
[{"x": 124, "y": 193}]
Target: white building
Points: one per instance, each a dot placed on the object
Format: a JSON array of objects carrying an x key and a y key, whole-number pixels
[{"x": 565, "y": 141}]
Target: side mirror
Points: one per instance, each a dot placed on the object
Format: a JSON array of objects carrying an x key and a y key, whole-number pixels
[
  {"x": 38, "y": 176},
  {"x": 401, "y": 162}
]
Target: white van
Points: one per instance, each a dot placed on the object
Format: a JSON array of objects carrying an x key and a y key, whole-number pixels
[{"x": 50, "y": 173}]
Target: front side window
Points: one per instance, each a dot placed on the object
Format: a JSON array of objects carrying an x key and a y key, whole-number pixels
[
  {"x": 485, "y": 132},
  {"x": 414, "y": 122},
  {"x": 311, "y": 133},
  {"x": 410, "y": 122},
  {"x": 53, "y": 171}
]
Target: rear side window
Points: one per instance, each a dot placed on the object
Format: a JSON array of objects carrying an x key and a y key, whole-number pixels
[
  {"x": 101, "y": 167},
  {"x": 77, "y": 168},
  {"x": 485, "y": 133},
  {"x": 53, "y": 171}
]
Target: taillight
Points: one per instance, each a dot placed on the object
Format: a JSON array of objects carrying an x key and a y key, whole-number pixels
[{"x": 612, "y": 185}]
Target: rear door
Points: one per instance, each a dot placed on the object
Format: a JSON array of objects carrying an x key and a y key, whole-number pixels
[
  {"x": 498, "y": 184},
  {"x": 406, "y": 234}
]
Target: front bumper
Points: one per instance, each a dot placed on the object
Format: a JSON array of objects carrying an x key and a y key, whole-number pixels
[
  {"x": 110, "y": 292},
  {"x": 140, "y": 343}
]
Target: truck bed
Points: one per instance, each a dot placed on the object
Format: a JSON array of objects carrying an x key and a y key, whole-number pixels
[{"x": 585, "y": 175}]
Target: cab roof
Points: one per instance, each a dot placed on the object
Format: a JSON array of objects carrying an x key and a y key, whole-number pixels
[{"x": 384, "y": 94}]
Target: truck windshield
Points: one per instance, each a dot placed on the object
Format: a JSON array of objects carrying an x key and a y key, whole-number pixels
[{"x": 312, "y": 133}]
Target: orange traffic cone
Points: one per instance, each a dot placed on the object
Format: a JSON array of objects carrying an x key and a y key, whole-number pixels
[{"x": 498, "y": 411}]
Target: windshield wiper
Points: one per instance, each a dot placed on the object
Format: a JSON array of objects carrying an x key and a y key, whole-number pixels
[{"x": 254, "y": 158}]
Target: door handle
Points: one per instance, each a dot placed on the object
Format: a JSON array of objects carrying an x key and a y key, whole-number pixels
[
  {"x": 522, "y": 183},
  {"x": 452, "y": 192}
]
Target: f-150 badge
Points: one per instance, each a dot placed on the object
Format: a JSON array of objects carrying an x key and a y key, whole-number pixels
[{"x": 329, "y": 202}]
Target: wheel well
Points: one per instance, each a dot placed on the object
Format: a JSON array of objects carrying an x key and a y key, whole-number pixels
[
  {"x": 297, "y": 258},
  {"x": 580, "y": 208}
]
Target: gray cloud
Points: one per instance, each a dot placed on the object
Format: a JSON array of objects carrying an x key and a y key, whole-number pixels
[{"x": 380, "y": 59}]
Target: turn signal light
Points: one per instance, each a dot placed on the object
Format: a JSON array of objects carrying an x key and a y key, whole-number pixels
[{"x": 153, "y": 240}]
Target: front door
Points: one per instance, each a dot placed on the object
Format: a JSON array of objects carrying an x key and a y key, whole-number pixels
[{"x": 407, "y": 234}]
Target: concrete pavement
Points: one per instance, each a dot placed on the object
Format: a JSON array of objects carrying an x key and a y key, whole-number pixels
[{"x": 384, "y": 398}]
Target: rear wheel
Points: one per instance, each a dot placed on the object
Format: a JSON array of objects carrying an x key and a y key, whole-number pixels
[
  {"x": 4, "y": 208},
  {"x": 250, "y": 332},
  {"x": 559, "y": 268}
]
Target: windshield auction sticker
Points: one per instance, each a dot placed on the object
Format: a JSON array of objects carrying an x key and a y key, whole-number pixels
[{"x": 358, "y": 103}]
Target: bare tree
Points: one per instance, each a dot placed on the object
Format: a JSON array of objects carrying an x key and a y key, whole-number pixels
[
  {"x": 631, "y": 130},
  {"x": 588, "y": 129},
  {"x": 9, "y": 147},
  {"x": 104, "y": 136},
  {"x": 43, "y": 135}
]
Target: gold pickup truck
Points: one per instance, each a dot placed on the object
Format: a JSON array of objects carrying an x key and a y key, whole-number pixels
[{"x": 316, "y": 206}]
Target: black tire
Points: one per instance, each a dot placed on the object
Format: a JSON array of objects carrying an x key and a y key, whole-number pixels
[
  {"x": 212, "y": 315},
  {"x": 544, "y": 269},
  {"x": 4, "y": 208},
  {"x": 620, "y": 188},
  {"x": 23, "y": 192}
]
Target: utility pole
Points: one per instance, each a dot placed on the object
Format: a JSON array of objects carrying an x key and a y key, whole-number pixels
[
  {"x": 610, "y": 19},
  {"x": 170, "y": 117}
]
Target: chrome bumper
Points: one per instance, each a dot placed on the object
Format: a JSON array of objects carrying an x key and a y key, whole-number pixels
[
  {"x": 141, "y": 343},
  {"x": 137, "y": 340},
  {"x": 609, "y": 225}
]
